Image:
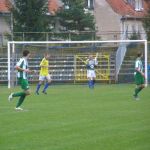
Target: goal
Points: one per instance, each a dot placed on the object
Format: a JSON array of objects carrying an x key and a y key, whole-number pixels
[{"x": 67, "y": 63}]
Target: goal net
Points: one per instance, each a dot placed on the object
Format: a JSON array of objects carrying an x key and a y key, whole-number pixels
[{"x": 68, "y": 60}]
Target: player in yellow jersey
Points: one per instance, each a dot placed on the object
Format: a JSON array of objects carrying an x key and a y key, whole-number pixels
[{"x": 44, "y": 74}]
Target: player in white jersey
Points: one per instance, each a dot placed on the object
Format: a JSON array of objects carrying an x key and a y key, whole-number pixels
[{"x": 91, "y": 62}]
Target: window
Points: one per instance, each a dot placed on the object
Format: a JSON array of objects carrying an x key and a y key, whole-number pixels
[
  {"x": 126, "y": 32},
  {"x": 131, "y": 2},
  {"x": 139, "y": 28},
  {"x": 1, "y": 39},
  {"x": 133, "y": 29},
  {"x": 138, "y": 5},
  {"x": 89, "y": 4}
]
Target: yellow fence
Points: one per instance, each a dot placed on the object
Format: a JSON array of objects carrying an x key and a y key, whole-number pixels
[{"x": 102, "y": 69}]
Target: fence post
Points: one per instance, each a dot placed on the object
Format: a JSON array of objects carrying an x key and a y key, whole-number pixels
[
  {"x": 23, "y": 36},
  {"x": 75, "y": 69},
  {"x": 47, "y": 39},
  {"x": 69, "y": 36}
]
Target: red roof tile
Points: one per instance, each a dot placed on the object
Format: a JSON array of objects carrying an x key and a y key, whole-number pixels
[
  {"x": 125, "y": 9},
  {"x": 53, "y": 6},
  {"x": 4, "y": 6}
]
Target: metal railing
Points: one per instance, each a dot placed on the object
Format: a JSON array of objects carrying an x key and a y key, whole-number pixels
[{"x": 59, "y": 36}]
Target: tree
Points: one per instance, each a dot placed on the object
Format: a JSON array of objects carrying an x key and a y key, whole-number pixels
[
  {"x": 73, "y": 17},
  {"x": 30, "y": 16},
  {"x": 146, "y": 24}
]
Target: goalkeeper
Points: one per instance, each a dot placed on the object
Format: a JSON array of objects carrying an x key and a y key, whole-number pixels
[
  {"x": 91, "y": 75},
  {"x": 44, "y": 74}
]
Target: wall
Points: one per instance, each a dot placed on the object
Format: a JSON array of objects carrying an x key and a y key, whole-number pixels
[
  {"x": 4, "y": 29},
  {"x": 4, "y": 26},
  {"x": 106, "y": 20}
]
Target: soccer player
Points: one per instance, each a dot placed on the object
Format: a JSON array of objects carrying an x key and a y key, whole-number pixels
[
  {"x": 22, "y": 68},
  {"x": 91, "y": 75},
  {"x": 44, "y": 74},
  {"x": 139, "y": 75}
]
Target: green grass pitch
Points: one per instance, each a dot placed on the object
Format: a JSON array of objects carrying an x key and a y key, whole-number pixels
[{"x": 72, "y": 117}]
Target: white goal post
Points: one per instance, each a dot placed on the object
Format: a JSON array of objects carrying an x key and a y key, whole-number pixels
[{"x": 11, "y": 50}]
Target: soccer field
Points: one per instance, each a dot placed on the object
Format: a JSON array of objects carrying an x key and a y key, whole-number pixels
[{"x": 73, "y": 117}]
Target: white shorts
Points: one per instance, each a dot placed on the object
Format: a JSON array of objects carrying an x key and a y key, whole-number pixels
[
  {"x": 91, "y": 74},
  {"x": 42, "y": 78}
]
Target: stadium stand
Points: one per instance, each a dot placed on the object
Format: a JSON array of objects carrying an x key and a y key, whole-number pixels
[{"x": 62, "y": 68}]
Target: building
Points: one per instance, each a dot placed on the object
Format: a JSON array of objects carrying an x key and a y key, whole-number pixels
[
  {"x": 4, "y": 16},
  {"x": 115, "y": 19},
  {"x": 5, "y": 20},
  {"x": 53, "y": 6},
  {"x": 120, "y": 19}
]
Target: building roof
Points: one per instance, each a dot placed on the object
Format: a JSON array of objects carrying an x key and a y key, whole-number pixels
[
  {"x": 4, "y": 6},
  {"x": 53, "y": 6},
  {"x": 125, "y": 9}
]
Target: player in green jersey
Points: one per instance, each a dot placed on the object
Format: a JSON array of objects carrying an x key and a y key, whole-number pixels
[
  {"x": 139, "y": 75},
  {"x": 22, "y": 68}
]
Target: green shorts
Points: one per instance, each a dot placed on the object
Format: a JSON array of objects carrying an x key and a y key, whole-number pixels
[
  {"x": 24, "y": 83},
  {"x": 139, "y": 79}
]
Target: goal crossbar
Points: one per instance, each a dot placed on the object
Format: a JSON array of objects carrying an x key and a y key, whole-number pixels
[{"x": 74, "y": 42}]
